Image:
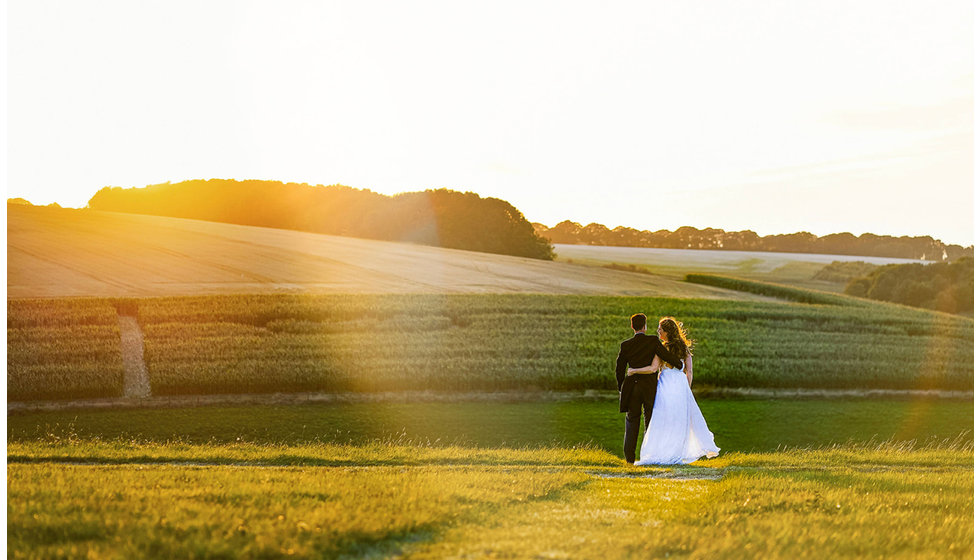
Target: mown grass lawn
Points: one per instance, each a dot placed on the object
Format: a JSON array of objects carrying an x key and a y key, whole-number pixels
[
  {"x": 126, "y": 499},
  {"x": 738, "y": 425}
]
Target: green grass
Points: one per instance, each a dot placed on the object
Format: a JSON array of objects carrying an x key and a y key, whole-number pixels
[
  {"x": 172, "y": 511},
  {"x": 813, "y": 512},
  {"x": 519, "y": 480},
  {"x": 773, "y": 290},
  {"x": 374, "y": 453},
  {"x": 738, "y": 425},
  {"x": 474, "y": 343},
  {"x": 424, "y": 502}
]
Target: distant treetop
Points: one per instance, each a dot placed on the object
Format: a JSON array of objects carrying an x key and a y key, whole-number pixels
[
  {"x": 25, "y": 202},
  {"x": 440, "y": 217},
  {"x": 867, "y": 244}
]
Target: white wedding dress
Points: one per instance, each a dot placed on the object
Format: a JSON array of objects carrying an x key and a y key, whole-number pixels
[{"x": 677, "y": 433}]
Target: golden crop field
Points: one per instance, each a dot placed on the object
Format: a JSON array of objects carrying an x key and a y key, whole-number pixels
[{"x": 53, "y": 252}]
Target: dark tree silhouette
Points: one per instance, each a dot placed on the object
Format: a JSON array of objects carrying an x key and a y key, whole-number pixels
[
  {"x": 435, "y": 217},
  {"x": 687, "y": 237},
  {"x": 941, "y": 286}
]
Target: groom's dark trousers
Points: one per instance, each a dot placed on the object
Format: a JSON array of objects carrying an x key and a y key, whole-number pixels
[{"x": 637, "y": 393}]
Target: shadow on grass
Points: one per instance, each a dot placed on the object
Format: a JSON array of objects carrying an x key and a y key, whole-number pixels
[
  {"x": 400, "y": 543},
  {"x": 286, "y": 461}
]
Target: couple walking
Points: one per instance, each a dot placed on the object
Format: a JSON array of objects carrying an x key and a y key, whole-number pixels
[{"x": 654, "y": 374}]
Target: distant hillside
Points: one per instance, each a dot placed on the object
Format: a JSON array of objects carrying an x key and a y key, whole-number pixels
[
  {"x": 55, "y": 252},
  {"x": 867, "y": 245},
  {"x": 442, "y": 218}
]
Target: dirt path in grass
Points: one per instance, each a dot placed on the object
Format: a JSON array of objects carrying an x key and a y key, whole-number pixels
[
  {"x": 136, "y": 382},
  {"x": 179, "y": 401}
]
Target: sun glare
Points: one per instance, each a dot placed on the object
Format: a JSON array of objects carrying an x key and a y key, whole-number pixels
[{"x": 770, "y": 117}]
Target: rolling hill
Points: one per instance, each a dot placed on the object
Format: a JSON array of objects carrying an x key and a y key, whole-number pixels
[{"x": 55, "y": 252}]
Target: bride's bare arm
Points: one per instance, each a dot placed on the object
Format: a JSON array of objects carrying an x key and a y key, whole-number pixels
[
  {"x": 652, "y": 368},
  {"x": 689, "y": 369}
]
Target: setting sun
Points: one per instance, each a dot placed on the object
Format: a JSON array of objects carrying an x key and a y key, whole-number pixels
[{"x": 824, "y": 117}]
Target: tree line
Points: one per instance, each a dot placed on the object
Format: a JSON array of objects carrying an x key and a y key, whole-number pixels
[
  {"x": 687, "y": 237},
  {"x": 940, "y": 286},
  {"x": 440, "y": 217}
]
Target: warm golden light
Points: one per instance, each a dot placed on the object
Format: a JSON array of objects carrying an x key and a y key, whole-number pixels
[{"x": 775, "y": 117}]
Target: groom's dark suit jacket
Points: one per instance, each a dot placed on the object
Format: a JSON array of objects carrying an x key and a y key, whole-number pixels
[{"x": 638, "y": 352}]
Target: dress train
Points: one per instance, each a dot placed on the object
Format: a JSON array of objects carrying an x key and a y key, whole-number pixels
[{"x": 677, "y": 433}]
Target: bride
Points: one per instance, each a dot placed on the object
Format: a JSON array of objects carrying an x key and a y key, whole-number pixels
[{"x": 677, "y": 432}]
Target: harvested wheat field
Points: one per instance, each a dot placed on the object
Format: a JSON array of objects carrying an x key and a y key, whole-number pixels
[{"x": 55, "y": 252}]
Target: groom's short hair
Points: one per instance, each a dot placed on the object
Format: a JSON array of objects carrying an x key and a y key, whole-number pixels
[{"x": 638, "y": 321}]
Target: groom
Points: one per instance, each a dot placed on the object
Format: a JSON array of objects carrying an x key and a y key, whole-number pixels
[{"x": 638, "y": 391}]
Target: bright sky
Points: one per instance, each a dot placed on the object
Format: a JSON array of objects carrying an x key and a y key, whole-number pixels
[{"x": 776, "y": 116}]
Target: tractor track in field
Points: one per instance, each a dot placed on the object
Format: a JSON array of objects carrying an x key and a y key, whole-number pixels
[{"x": 136, "y": 380}]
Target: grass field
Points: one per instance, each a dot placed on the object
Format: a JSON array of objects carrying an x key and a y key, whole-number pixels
[
  {"x": 522, "y": 480},
  {"x": 738, "y": 425},
  {"x": 173, "y": 500},
  {"x": 453, "y": 343}
]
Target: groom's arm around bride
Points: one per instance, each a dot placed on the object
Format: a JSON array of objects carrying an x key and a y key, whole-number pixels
[{"x": 638, "y": 352}]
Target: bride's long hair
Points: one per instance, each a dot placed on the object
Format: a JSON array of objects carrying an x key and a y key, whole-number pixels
[{"x": 675, "y": 337}]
